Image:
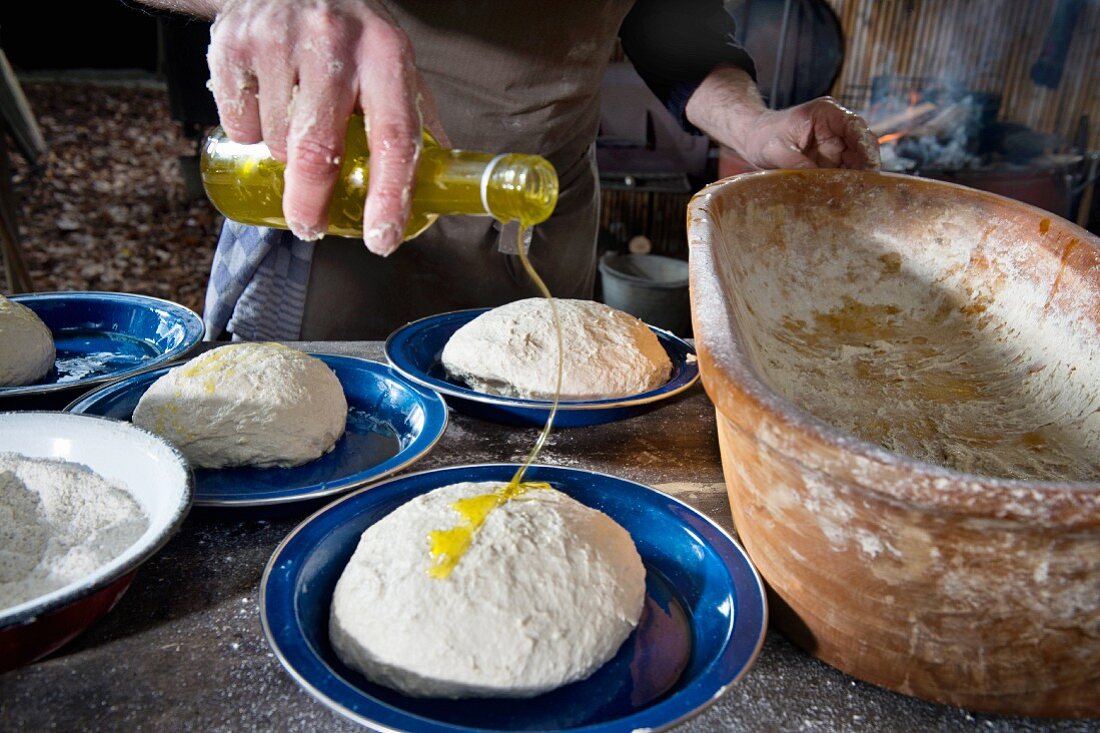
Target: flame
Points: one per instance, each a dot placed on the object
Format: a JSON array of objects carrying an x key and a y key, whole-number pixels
[{"x": 916, "y": 112}]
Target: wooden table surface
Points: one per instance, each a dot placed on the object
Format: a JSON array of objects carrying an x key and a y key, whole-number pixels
[{"x": 184, "y": 650}]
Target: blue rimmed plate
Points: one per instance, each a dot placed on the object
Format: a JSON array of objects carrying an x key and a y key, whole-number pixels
[
  {"x": 105, "y": 336},
  {"x": 391, "y": 424},
  {"x": 415, "y": 350},
  {"x": 704, "y": 623}
]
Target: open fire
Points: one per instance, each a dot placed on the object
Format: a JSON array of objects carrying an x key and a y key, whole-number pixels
[
  {"x": 939, "y": 129},
  {"x": 923, "y": 124}
]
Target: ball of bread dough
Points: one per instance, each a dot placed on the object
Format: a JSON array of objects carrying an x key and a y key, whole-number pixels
[
  {"x": 512, "y": 351},
  {"x": 547, "y": 592},
  {"x": 26, "y": 345},
  {"x": 253, "y": 404}
]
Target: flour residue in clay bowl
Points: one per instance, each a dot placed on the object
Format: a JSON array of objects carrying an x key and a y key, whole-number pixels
[{"x": 964, "y": 336}]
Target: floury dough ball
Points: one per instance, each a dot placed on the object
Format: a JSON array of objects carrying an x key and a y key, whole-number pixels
[
  {"x": 249, "y": 404},
  {"x": 546, "y": 594},
  {"x": 26, "y": 345},
  {"x": 512, "y": 351}
]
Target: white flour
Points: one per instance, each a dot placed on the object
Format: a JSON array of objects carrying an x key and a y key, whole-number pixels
[{"x": 59, "y": 521}]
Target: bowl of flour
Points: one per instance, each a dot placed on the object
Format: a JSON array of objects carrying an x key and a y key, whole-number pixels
[{"x": 84, "y": 501}]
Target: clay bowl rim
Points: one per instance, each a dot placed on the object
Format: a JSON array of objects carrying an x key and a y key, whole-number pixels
[{"x": 716, "y": 332}]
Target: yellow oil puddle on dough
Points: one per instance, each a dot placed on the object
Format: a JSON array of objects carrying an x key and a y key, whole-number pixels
[{"x": 449, "y": 545}]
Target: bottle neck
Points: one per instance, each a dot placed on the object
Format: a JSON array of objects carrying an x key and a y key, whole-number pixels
[{"x": 508, "y": 187}]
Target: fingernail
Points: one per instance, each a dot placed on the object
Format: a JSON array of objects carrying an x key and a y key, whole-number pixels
[
  {"x": 382, "y": 240},
  {"x": 305, "y": 232}
]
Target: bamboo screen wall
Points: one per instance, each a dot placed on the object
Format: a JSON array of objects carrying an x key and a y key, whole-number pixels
[{"x": 989, "y": 45}]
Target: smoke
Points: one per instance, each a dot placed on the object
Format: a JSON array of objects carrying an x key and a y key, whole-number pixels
[{"x": 940, "y": 130}]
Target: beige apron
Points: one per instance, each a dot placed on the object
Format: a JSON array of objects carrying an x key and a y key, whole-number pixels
[{"x": 508, "y": 76}]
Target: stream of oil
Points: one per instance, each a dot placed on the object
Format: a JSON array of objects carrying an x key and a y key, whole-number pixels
[{"x": 449, "y": 545}]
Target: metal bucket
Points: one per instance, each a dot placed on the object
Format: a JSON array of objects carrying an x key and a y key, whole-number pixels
[{"x": 651, "y": 287}]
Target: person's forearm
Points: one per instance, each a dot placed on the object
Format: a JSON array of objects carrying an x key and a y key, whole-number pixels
[
  {"x": 819, "y": 133},
  {"x": 198, "y": 8},
  {"x": 725, "y": 105}
]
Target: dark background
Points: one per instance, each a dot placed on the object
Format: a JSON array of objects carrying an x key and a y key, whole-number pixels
[{"x": 85, "y": 34}]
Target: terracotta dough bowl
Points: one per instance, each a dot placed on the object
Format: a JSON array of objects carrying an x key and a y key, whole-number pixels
[{"x": 907, "y": 382}]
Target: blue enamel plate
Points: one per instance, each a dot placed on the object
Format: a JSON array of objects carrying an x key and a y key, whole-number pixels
[
  {"x": 702, "y": 628},
  {"x": 415, "y": 351},
  {"x": 105, "y": 336},
  {"x": 391, "y": 424}
]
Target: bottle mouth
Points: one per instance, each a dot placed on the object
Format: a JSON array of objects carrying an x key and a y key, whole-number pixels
[
  {"x": 530, "y": 187},
  {"x": 541, "y": 191}
]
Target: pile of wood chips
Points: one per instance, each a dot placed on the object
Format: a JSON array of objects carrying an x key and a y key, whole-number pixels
[{"x": 108, "y": 208}]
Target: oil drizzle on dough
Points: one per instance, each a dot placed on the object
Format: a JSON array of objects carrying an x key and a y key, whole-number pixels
[{"x": 449, "y": 545}]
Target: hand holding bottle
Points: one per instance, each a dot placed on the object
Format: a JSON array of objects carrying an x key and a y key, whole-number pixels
[{"x": 290, "y": 74}]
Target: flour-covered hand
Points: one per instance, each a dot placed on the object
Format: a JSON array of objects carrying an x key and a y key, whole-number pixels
[
  {"x": 820, "y": 133},
  {"x": 291, "y": 73}
]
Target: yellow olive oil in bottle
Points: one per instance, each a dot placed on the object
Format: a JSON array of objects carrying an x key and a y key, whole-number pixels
[{"x": 246, "y": 184}]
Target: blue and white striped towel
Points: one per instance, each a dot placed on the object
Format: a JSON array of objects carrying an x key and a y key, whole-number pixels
[{"x": 257, "y": 288}]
